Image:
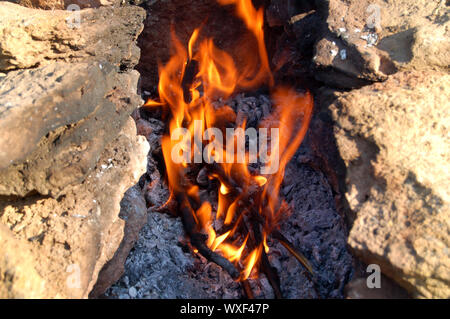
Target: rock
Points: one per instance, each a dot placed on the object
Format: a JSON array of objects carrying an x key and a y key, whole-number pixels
[
  {"x": 393, "y": 138},
  {"x": 420, "y": 47},
  {"x": 46, "y": 104},
  {"x": 343, "y": 66},
  {"x": 132, "y": 292},
  {"x": 54, "y": 136},
  {"x": 392, "y": 169},
  {"x": 366, "y": 41},
  {"x": 69, "y": 239},
  {"x": 30, "y": 37},
  {"x": 62, "y": 4},
  {"x": 75, "y": 98},
  {"x": 41, "y": 4},
  {"x": 345, "y": 53},
  {"x": 69, "y": 149},
  {"x": 134, "y": 212},
  {"x": 18, "y": 277}
]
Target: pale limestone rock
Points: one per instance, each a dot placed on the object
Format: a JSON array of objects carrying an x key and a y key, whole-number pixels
[
  {"x": 52, "y": 136},
  {"x": 31, "y": 37},
  {"x": 72, "y": 237},
  {"x": 18, "y": 277},
  {"x": 394, "y": 138},
  {"x": 380, "y": 38}
]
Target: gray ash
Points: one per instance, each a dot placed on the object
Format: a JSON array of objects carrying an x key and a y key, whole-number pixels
[{"x": 162, "y": 264}]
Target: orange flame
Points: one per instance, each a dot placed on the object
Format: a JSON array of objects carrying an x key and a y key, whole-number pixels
[{"x": 193, "y": 113}]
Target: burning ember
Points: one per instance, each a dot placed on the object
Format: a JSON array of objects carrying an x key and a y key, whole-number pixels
[{"x": 233, "y": 231}]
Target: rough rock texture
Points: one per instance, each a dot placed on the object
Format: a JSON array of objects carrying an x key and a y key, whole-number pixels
[
  {"x": 62, "y": 4},
  {"x": 69, "y": 148},
  {"x": 18, "y": 277},
  {"x": 415, "y": 34},
  {"x": 53, "y": 135},
  {"x": 134, "y": 211},
  {"x": 40, "y": 108},
  {"x": 30, "y": 37},
  {"x": 357, "y": 43},
  {"x": 394, "y": 139},
  {"x": 74, "y": 235}
]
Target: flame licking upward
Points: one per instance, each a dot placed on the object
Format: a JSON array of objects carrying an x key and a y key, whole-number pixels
[{"x": 216, "y": 76}]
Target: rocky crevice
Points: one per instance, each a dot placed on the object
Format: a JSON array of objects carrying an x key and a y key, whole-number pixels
[
  {"x": 379, "y": 134},
  {"x": 369, "y": 134}
]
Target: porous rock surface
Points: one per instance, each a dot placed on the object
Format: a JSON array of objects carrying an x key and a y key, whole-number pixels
[
  {"x": 366, "y": 41},
  {"x": 53, "y": 135},
  {"x": 64, "y": 4},
  {"x": 69, "y": 148},
  {"x": 394, "y": 140},
  {"x": 71, "y": 237},
  {"x": 31, "y": 37},
  {"x": 349, "y": 44}
]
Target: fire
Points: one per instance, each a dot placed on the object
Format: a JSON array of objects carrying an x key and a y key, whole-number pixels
[{"x": 190, "y": 82}]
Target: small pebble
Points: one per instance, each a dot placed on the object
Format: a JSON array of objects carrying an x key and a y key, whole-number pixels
[
  {"x": 126, "y": 281},
  {"x": 132, "y": 292}
]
